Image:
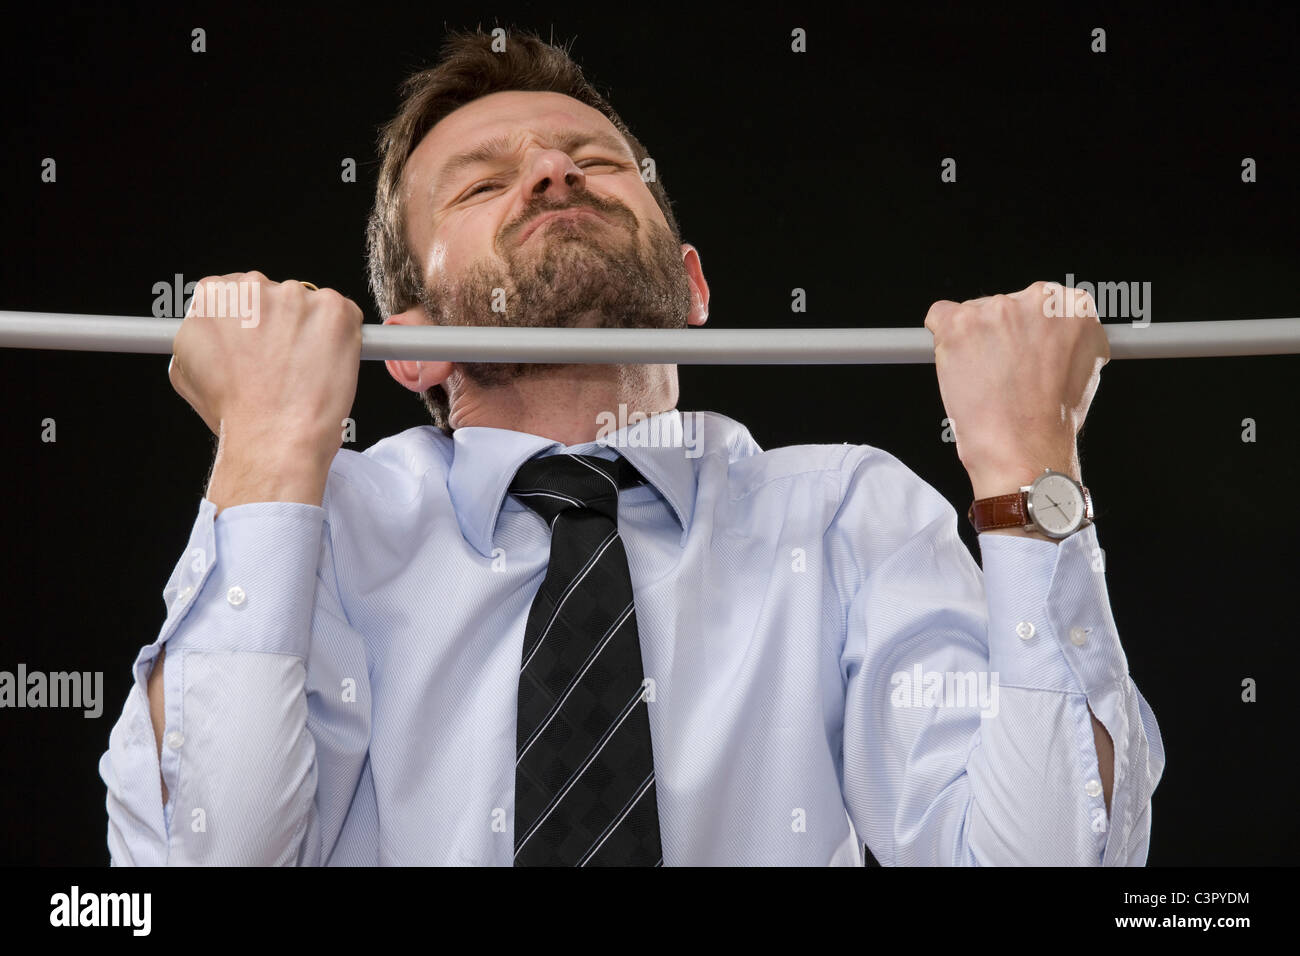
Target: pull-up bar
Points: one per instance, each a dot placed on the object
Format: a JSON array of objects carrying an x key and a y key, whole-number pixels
[{"x": 117, "y": 333}]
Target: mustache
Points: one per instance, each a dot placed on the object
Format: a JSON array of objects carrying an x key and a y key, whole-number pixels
[{"x": 613, "y": 210}]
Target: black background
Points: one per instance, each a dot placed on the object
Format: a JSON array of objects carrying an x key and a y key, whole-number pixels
[{"x": 816, "y": 170}]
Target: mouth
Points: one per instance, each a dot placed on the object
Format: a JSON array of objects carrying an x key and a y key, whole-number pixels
[{"x": 572, "y": 214}]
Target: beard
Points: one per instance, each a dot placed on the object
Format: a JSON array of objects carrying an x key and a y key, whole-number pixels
[{"x": 569, "y": 274}]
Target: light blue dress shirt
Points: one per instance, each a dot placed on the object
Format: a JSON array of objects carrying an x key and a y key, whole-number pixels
[{"x": 826, "y": 663}]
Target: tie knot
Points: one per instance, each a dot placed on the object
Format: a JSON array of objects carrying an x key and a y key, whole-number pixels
[{"x": 553, "y": 484}]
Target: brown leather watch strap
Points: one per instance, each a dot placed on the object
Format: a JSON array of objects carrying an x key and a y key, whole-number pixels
[
  {"x": 1003, "y": 511},
  {"x": 1011, "y": 511}
]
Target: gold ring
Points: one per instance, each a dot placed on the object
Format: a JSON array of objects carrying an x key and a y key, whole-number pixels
[{"x": 309, "y": 285}]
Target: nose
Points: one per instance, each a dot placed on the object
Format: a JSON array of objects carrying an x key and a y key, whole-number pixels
[{"x": 554, "y": 176}]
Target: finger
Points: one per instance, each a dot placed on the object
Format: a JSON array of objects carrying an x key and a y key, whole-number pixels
[
  {"x": 1036, "y": 290},
  {"x": 1048, "y": 298},
  {"x": 1084, "y": 306},
  {"x": 1103, "y": 344},
  {"x": 173, "y": 371},
  {"x": 200, "y": 295},
  {"x": 940, "y": 313},
  {"x": 176, "y": 375}
]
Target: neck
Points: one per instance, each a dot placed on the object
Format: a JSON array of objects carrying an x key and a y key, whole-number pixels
[{"x": 567, "y": 403}]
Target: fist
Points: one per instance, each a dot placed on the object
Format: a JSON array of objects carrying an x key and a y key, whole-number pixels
[
  {"x": 1017, "y": 374},
  {"x": 269, "y": 363}
]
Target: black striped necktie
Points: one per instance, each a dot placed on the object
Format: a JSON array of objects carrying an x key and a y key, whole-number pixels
[{"x": 584, "y": 771}]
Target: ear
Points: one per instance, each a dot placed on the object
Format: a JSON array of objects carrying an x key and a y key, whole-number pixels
[
  {"x": 699, "y": 288},
  {"x": 417, "y": 376}
]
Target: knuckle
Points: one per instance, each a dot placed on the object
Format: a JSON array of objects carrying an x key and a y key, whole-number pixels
[
  {"x": 938, "y": 312},
  {"x": 200, "y": 294},
  {"x": 330, "y": 302},
  {"x": 934, "y": 316},
  {"x": 344, "y": 307}
]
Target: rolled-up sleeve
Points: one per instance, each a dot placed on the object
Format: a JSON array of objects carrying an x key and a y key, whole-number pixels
[
  {"x": 247, "y": 600},
  {"x": 967, "y": 736}
]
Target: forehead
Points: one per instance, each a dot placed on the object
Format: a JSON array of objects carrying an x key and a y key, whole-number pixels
[{"x": 523, "y": 116}]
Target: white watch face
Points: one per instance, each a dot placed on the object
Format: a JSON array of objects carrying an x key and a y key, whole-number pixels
[{"x": 1056, "y": 504}]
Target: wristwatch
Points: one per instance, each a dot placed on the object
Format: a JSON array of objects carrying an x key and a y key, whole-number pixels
[{"x": 1055, "y": 505}]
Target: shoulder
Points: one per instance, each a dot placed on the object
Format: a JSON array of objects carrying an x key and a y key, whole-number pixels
[
  {"x": 881, "y": 480},
  {"x": 845, "y": 470},
  {"x": 861, "y": 496},
  {"x": 394, "y": 469}
]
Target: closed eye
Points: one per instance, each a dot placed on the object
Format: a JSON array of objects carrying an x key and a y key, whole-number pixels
[{"x": 584, "y": 163}]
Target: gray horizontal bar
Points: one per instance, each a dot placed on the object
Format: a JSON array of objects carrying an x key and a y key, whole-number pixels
[{"x": 118, "y": 333}]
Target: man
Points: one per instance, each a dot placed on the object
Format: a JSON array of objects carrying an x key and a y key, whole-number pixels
[{"x": 518, "y": 638}]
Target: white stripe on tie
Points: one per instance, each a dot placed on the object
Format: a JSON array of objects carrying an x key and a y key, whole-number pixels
[
  {"x": 577, "y": 774},
  {"x": 600, "y": 471},
  {"x": 555, "y": 708},
  {"x": 591, "y": 563},
  {"x": 627, "y": 808}
]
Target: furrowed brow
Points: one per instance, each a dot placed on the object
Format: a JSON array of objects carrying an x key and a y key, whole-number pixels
[{"x": 498, "y": 146}]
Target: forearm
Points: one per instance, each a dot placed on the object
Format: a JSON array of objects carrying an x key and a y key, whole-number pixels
[
  {"x": 215, "y": 730},
  {"x": 1105, "y": 756},
  {"x": 157, "y": 708},
  {"x": 242, "y": 474},
  {"x": 998, "y": 482},
  {"x": 1057, "y": 637}
]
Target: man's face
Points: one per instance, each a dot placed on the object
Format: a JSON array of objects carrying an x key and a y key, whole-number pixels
[{"x": 528, "y": 209}]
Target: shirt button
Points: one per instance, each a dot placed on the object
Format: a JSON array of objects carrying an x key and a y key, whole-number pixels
[
  {"x": 184, "y": 595},
  {"x": 1078, "y": 636},
  {"x": 235, "y": 595},
  {"x": 1092, "y": 788},
  {"x": 1025, "y": 629},
  {"x": 175, "y": 739}
]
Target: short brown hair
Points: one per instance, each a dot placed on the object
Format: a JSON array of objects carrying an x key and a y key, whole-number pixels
[{"x": 468, "y": 68}]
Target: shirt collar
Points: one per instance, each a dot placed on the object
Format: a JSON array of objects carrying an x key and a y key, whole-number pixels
[{"x": 485, "y": 460}]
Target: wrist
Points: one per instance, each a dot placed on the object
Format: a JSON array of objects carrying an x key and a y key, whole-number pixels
[
  {"x": 290, "y": 438},
  {"x": 1005, "y": 479},
  {"x": 246, "y": 471},
  {"x": 1051, "y": 506}
]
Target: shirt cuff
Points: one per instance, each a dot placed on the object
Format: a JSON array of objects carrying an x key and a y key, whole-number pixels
[
  {"x": 1050, "y": 623},
  {"x": 247, "y": 579}
]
